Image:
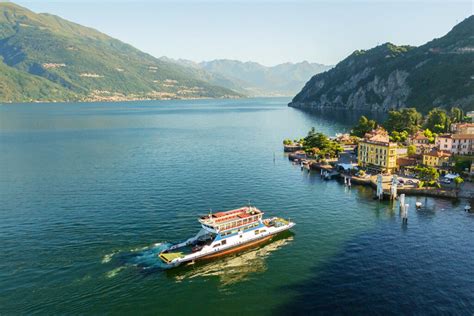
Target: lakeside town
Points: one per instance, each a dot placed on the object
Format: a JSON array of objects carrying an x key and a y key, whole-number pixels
[{"x": 429, "y": 155}]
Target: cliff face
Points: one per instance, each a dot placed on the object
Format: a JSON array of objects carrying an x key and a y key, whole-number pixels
[{"x": 439, "y": 73}]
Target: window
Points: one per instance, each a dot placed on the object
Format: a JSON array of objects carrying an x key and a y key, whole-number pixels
[
  {"x": 256, "y": 232},
  {"x": 224, "y": 242},
  {"x": 216, "y": 245}
]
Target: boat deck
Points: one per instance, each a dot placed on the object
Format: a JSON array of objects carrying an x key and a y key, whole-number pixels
[{"x": 170, "y": 256}]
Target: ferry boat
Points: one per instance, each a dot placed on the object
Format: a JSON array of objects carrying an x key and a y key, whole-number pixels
[{"x": 224, "y": 233}]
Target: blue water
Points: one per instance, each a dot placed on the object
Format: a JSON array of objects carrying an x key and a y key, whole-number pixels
[{"x": 90, "y": 193}]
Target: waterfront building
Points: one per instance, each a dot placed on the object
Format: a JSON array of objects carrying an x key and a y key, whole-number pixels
[
  {"x": 376, "y": 153},
  {"x": 437, "y": 158}
]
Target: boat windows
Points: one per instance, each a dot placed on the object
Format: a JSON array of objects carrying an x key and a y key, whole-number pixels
[
  {"x": 216, "y": 245},
  {"x": 224, "y": 242},
  {"x": 257, "y": 232}
]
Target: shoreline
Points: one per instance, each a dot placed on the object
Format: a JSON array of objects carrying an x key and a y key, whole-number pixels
[{"x": 371, "y": 181}]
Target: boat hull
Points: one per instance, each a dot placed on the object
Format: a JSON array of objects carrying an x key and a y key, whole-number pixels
[{"x": 237, "y": 248}]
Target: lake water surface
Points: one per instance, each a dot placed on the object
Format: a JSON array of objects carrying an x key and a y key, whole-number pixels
[{"x": 90, "y": 193}]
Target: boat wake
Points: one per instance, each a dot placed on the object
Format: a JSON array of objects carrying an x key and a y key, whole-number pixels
[
  {"x": 145, "y": 258},
  {"x": 148, "y": 258}
]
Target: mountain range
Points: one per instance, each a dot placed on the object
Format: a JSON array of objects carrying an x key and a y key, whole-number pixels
[
  {"x": 46, "y": 58},
  {"x": 437, "y": 74}
]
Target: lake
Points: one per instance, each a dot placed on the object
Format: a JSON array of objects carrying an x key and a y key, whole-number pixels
[{"x": 91, "y": 192}]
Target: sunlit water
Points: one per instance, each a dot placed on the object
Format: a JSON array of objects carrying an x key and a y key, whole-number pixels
[{"x": 90, "y": 194}]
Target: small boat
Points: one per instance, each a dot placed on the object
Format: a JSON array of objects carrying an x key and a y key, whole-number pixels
[
  {"x": 224, "y": 233},
  {"x": 467, "y": 208},
  {"x": 418, "y": 205}
]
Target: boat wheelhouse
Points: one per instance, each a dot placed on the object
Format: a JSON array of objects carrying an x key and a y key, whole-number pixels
[{"x": 224, "y": 233}]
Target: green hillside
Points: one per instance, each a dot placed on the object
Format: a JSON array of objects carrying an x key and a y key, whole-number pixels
[
  {"x": 46, "y": 57},
  {"x": 437, "y": 74}
]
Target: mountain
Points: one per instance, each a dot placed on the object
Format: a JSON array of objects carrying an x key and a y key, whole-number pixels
[
  {"x": 254, "y": 79},
  {"x": 46, "y": 58},
  {"x": 437, "y": 74}
]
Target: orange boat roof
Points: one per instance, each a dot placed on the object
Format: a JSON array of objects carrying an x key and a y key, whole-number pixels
[{"x": 226, "y": 216}]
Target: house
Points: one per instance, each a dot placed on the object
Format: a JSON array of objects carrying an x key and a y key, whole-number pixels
[
  {"x": 419, "y": 139},
  {"x": 444, "y": 142},
  {"x": 377, "y": 153},
  {"x": 424, "y": 148},
  {"x": 463, "y": 144},
  {"x": 437, "y": 158},
  {"x": 462, "y": 128}
]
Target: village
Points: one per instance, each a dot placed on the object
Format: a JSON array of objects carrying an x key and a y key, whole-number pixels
[{"x": 402, "y": 153}]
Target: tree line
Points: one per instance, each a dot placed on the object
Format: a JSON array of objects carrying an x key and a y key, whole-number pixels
[{"x": 405, "y": 122}]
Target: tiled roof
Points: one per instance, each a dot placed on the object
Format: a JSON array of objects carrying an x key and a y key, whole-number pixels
[
  {"x": 463, "y": 136},
  {"x": 438, "y": 153},
  {"x": 445, "y": 136},
  {"x": 420, "y": 136}
]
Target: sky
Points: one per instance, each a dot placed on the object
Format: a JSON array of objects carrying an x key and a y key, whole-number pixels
[{"x": 268, "y": 32}]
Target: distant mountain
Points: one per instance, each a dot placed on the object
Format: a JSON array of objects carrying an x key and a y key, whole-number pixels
[
  {"x": 258, "y": 80},
  {"x": 437, "y": 74},
  {"x": 46, "y": 58}
]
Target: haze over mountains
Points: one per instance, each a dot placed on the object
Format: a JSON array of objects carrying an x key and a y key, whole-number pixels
[
  {"x": 437, "y": 74},
  {"x": 46, "y": 58}
]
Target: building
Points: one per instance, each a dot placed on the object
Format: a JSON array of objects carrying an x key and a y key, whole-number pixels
[
  {"x": 470, "y": 114},
  {"x": 444, "y": 142},
  {"x": 376, "y": 153},
  {"x": 437, "y": 158},
  {"x": 419, "y": 139},
  {"x": 463, "y": 144},
  {"x": 424, "y": 148},
  {"x": 462, "y": 128}
]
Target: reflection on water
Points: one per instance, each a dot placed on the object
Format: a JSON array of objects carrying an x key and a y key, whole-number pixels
[{"x": 235, "y": 268}]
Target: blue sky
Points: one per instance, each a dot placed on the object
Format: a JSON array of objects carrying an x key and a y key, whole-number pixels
[{"x": 268, "y": 32}]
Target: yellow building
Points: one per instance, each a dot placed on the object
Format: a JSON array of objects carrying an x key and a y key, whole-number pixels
[
  {"x": 436, "y": 158},
  {"x": 376, "y": 153}
]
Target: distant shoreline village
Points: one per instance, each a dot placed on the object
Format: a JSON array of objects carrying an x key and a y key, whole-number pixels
[{"x": 406, "y": 154}]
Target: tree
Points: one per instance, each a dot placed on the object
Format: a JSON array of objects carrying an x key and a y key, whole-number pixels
[
  {"x": 399, "y": 137},
  {"x": 429, "y": 135},
  {"x": 364, "y": 126},
  {"x": 427, "y": 173},
  {"x": 456, "y": 114},
  {"x": 458, "y": 181},
  {"x": 326, "y": 147},
  {"x": 411, "y": 150},
  {"x": 437, "y": 121},
  {"x": 405, "y": 120}
]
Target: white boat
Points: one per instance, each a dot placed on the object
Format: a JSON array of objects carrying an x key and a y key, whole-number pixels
[
  {"x": 467, "y": 208},
  {"x": 418, "y": 204},
  {"x": 224, "y": 233}
]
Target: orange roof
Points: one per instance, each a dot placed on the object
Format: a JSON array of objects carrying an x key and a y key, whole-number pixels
[
  {"x": 419, "y": 136},
  {"x": 378, "y": 135},
  {"x": 463, "y": 136},
  {"x": 445, "y": 136},
  {"x": 438, "y": 153},
  {"x": 461, "y": 125}
]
